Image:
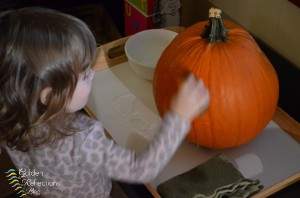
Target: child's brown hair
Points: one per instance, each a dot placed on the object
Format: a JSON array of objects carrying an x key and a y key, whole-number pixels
[{"x": 39, "y": 48}]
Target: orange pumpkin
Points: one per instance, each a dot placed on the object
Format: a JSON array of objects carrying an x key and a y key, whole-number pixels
[{"x": 242, "y": 82}]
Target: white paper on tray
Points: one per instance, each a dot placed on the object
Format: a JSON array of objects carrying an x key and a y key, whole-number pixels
[{"x": 122, "y": 102}]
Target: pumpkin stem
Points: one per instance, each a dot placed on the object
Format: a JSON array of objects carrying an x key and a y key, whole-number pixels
[{"x": 215, "y": 31}]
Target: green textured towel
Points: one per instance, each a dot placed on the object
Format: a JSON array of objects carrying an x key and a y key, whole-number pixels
[{"x": 215, "y": 178}]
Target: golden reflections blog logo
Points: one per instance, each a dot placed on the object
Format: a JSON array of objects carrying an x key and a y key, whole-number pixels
[
  {"x": 28, "y": 182},
  {"x": 13, "y": 180}
]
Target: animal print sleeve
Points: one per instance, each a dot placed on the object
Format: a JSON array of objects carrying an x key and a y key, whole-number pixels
[{"x": 107, "y": 158}]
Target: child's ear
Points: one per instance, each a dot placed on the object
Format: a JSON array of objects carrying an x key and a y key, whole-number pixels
[{"x": 45, "y": 95}]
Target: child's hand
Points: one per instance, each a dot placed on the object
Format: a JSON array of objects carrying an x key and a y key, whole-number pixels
[{"x": 191, "y": 99}]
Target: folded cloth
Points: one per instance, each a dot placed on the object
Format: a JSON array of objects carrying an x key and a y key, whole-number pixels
[{"x": 215, "y": 178}]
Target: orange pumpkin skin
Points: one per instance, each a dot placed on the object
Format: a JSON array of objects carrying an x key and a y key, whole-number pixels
[{"x": 242, "y": 82}]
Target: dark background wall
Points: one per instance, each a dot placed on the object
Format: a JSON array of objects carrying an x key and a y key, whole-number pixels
[{"x": 97, "y": 13}]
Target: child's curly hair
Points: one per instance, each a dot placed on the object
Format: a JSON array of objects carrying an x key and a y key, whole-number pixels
[{"x": 39, "y": 48}]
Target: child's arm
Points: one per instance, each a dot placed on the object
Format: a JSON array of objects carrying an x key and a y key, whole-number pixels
[
  {"x": 127, "y": 165},
  {"x": 124, "y": 164},
  {"x": 192, "y": 98}
]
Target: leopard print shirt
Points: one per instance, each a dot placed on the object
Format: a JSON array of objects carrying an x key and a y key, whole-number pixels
[{"x": 82, "y": 165}]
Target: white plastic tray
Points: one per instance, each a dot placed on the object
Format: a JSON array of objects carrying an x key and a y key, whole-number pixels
[{"x": 125, "y": 105}]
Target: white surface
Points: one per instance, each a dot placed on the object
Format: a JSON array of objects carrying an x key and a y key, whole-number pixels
[
  {"x": 250, "y": 165},
  {"x": 125, "y": 105},
  {"x": 144, "y": 48}
]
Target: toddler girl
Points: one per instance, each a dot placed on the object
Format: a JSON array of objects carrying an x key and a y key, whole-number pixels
[{"x": 45, "y": 78}]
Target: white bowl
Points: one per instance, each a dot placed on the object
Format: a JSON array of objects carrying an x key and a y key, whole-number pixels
[{"x": 144, "y": 48}]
